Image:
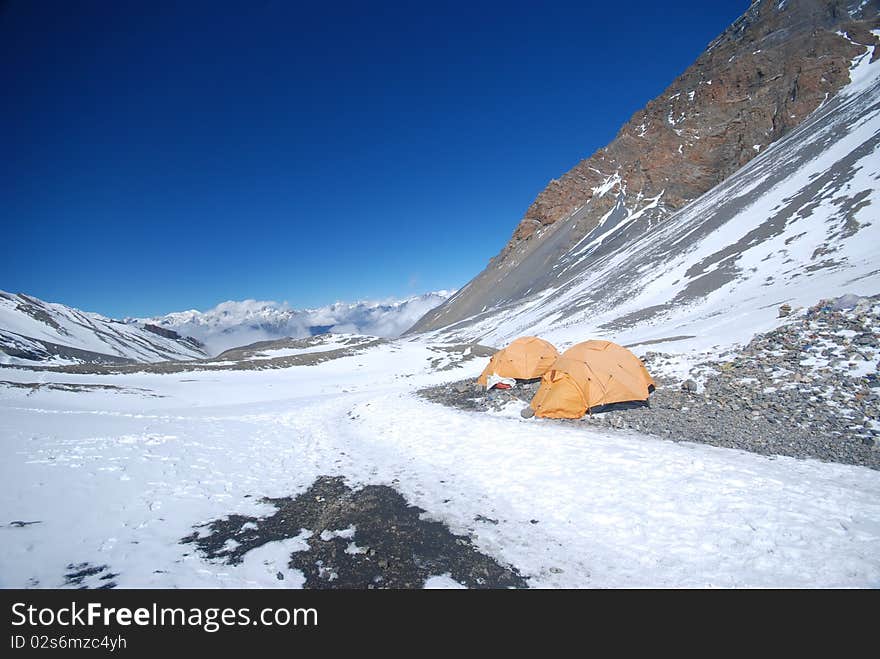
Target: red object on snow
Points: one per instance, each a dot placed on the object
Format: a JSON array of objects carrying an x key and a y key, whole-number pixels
[{"x": 501, "y": 385}]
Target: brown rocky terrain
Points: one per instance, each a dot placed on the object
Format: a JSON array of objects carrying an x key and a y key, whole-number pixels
[{"x": 753, "y": 84}]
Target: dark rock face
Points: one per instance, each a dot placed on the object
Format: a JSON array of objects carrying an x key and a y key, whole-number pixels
[
  {"x": 368, "y": 538},
  {"x": 161, "y": 331},
  {"x": 171, "y": 334},
  {"x": 762, "y": 77}
]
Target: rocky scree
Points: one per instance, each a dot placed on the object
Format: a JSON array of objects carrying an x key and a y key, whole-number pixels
[{"x": 808, "y": 389}]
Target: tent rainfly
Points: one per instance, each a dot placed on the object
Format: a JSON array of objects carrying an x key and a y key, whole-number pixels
[
  {"x": 589, "y": 375},
  {"x": 526, "y": 358}
]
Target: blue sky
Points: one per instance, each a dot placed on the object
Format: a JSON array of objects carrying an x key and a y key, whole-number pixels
[{"x": 163, "y": 155}]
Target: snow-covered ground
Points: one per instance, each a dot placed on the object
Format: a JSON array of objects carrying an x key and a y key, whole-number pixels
[
  {"x": 320, "y": 343},
  {"x": 115, "y": 481}
]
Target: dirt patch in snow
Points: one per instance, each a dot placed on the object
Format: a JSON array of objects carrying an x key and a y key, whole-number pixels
[{"x": 359, "y": 539}]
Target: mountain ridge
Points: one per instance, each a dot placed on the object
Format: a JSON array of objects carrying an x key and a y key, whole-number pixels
[
  {"x": 33, "y": 331},
  {"x": 755, "y": 83},
  {"x": 792, "y": 226}
]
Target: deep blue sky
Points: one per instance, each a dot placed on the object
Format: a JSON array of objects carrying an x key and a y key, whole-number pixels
[{"x": 159, "y": 156}]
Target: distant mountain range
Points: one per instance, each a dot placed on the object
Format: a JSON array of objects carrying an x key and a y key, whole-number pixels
[
  {"x": 234, "y": 324},
  {"x": 34, "y": 332}
]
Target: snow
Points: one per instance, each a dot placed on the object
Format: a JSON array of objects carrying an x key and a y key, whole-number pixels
[
  {"x": 860, "y": 7},
  {"x": 631, "y": 216},
  {"x": 339, "y": 533},
  {"x": 332, "y": 342},
  {"x": 607, "y": 185},
  {"x": 62, "y": 325},
  {"x": 117, "y": 481},
  {"x": 443, "y": 581},
  {"x": 262, "y": 566}
]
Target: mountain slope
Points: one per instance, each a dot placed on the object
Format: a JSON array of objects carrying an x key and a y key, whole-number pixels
[
  {"x": 235, "y": 324},
  {"x": 757, "y": 81},
  {"x": 796, "y": 224},
  {"x": 33, "y": 331}
]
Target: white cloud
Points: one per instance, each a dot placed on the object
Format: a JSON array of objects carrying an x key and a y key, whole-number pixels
[{"x": 241, "y": 322}]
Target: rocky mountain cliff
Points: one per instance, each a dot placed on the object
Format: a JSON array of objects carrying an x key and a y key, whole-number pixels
[
  {"x": 772, "y": 68},
  {"x": 796, "y": 225}
]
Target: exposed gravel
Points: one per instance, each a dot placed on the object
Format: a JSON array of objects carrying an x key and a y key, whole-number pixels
[
  {"x": 809, "y": 389},
  {"x": 366, "y": 538}
]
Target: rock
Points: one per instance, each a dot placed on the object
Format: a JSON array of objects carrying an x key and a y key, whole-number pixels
[
  {"x": 689, "y": 386},
  {"x": 784, "y": 310},
  {"x": 864, "y": 340},
  {"x": 844, "y": 302},
  {"x": 527, "y": 412}
]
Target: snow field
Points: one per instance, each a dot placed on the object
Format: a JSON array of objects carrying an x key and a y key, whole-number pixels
[{"x": 117, "y": 480}]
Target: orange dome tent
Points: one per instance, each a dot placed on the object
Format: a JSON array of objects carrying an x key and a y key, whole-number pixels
[
  {"x": 590, "y": 374},
  {"x": 526, "y": 358}
]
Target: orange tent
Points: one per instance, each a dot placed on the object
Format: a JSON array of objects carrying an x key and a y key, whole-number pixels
[
  {"x": 526, "y": 358},
  {"x": 590, "y": 374}
]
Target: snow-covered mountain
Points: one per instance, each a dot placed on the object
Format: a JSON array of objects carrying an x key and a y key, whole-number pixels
[
  {"x": 238, "y": 323},
  {"x": 37, "y": 332},
  {"x": 582, "y": 249},
  {"x": 47, "y": 333},
  {"x": 795, "y": 224}
]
